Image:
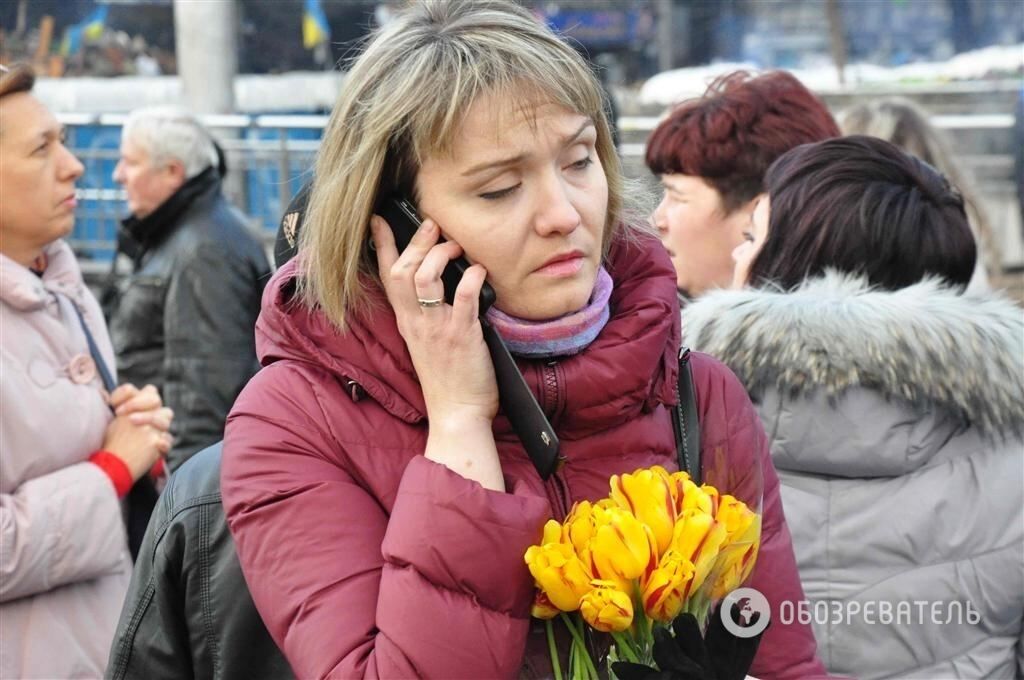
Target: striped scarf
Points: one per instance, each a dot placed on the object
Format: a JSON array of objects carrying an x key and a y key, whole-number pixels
[{"x": 563, "y": 336}]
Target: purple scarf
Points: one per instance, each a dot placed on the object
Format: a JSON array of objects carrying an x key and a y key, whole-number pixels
[{"x": 563, "y": 336}]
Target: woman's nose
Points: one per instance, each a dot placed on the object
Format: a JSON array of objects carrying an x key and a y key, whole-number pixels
[
  {"x": 557, "y": 213},
  {"x": 70, "y": 167},
  {"x": 658, "y": 218}
]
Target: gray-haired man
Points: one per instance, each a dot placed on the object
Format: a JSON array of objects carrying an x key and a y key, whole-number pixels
[{"x": 183, "y": 320}]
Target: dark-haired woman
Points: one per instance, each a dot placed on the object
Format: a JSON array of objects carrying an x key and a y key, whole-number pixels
[
  {"x": 711, "y": 154},
  {"x": 895, "y": 406}
]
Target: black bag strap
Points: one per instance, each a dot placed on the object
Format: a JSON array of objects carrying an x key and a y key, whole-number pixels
[
  {"x": 101, "y": 365},
  {"x": 685, "y": 422},
  {"x": 141, "y": 499}
]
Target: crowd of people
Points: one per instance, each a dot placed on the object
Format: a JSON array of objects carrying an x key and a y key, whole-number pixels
[{"x": 226, "y": 472}]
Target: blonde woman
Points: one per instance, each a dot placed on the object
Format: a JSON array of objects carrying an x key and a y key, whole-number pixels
[
  {"x": 905, "y": 124},
  {"x": 379, "y": 500}
]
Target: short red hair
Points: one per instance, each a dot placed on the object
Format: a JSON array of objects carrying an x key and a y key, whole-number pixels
[{"x": 730, "y": 135}]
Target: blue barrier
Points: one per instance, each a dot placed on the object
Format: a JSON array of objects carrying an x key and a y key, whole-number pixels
[{"x": 100, "y": 208}]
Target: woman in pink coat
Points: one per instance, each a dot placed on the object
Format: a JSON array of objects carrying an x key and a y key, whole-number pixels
[
  {"x": 68, "y": 450},
  {"x": 380, "y": 501}
]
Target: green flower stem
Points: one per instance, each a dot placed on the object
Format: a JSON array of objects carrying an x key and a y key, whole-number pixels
[
  {"x": 585, "y": 653},
  {"x": 579, "y": 657},
  {"x": 577, "y": 637},
  {"x": 699, "y": 606},
  {"x": 625, "y": 647},
  {"x": 553, "y": 650},
  {"x": 642, "y": 628}
]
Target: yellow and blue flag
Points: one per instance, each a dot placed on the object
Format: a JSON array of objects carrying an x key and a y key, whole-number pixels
[
  {"x": 315, "y": 29},
  {"x": 90, "y": 28}
]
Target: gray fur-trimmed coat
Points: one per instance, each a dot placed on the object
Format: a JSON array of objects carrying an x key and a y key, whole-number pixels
[{"x": 896, "y": 424}]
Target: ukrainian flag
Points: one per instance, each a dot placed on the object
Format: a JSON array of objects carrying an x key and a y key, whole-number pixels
[
  {"x": 314, "y": 25},
  {"x": 89, "y": 29}
]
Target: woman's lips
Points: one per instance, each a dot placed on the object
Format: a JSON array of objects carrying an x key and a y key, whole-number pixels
[{"x": 565, "y": 267}]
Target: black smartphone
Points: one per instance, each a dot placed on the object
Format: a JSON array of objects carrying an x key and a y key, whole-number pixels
[
  {"x": 404, "y": 219},
  {"x": 517, "y": 401}
]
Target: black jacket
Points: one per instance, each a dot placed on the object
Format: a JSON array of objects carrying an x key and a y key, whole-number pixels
[
  {"x": 188, "y": 613},
  {"x": 184, "y": 319}
]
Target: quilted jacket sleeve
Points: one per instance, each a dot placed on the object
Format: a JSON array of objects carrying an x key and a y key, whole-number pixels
[
  {"x": 437, "y": 588},
  {"x": 734, "y": 448},
  {"x": 59, "y": 528}
]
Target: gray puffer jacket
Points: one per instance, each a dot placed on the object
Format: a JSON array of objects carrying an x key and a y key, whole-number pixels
[{"x": 896, "y": 422}]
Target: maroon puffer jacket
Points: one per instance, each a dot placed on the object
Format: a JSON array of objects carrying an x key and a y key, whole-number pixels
[{"x": 367, "y": 560}]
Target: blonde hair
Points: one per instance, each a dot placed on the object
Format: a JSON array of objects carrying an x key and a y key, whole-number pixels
[
  {"x": 404, "y": 100},
  {"x": 903, "y": 123}
]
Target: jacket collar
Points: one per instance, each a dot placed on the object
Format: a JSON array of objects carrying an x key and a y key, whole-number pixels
[
  {"x": 140, "y": 235},
  {"x": 926, "y": 344},
  {"x": 629, "y": 368},
  {"x": 24, "y": 290}
]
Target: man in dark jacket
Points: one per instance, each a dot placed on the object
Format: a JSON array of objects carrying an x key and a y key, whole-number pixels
[
  {"x": 183, "y": 320},
  {"x": 188, "y": 613}
]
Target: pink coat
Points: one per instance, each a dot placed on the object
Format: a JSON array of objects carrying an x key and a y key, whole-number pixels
[
  {"x": 367, "y": 560},
  {"x": 64, "y": 563}
]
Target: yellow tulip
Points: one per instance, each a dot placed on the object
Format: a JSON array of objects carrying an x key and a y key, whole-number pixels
[
  {"x": 648, "y": 495},
  {"x": 623, "y": 548},
  {"x": 562, "y": 576},
  {"x": 676, "y": 483},
  {"x": 735, "y": 515},
  {"x": 581, "y": 525},
  {"x": 664, "y": 590},
  {"x": 743, "y": 541},
  {"x": 542, "y": 607},
  {"x": 687, "y": 495},
  {"x": 698, "y": 538},
  {"x": 713, "y": 496},
  {"x": 606, "y": 608},
  {"x": 553, "y": 533}
]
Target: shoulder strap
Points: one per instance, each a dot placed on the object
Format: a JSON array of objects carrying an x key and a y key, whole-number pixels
[
  {"x": 101, "y": 365},
  {"x": 685, "y": 422}
]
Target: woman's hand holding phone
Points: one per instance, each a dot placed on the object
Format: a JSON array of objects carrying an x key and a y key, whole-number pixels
[{"x": 447, "y": 348}]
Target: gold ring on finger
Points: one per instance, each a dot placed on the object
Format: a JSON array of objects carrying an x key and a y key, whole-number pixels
[{"x": 431, "y": 303}]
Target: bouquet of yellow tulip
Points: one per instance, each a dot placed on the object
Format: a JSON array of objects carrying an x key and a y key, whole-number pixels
[{"x": 656, "y": 547}]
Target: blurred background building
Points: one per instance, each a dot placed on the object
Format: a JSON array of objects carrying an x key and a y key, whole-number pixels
[{"x": 266, "y": 73}]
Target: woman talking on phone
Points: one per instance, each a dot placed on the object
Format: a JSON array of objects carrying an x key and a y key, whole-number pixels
[{"x": 379, "y": 499}]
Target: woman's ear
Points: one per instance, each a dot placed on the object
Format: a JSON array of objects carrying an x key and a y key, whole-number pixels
[
  {"x": 750, "y": 205},
  {"x": 740, "y": 219}
]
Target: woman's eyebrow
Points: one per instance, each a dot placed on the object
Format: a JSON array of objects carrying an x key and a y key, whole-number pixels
[
  {"x": 512, "y": 160},
  {"x": 673, "y": 189},
  {"x": 487, "y": 165},
  {"x": 566, "y": 141},
  {"x": 45, "y": 134}
]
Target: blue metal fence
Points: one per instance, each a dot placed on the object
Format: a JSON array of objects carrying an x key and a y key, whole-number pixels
[{"x": 269, "y": 157}]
